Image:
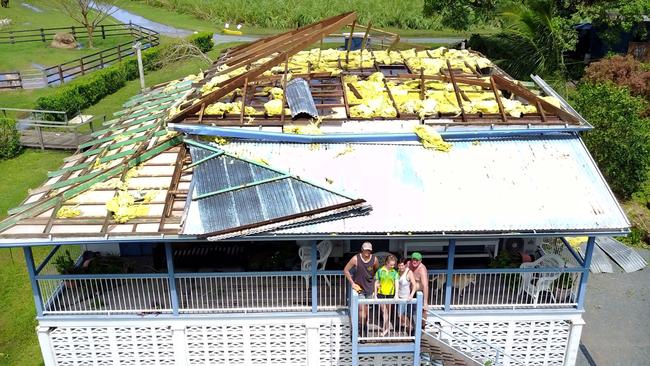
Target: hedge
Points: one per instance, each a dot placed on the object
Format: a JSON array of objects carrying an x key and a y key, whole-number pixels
[
  {"x": 203, "y": 41},
  {"x": 620, "y": 140},
  {"x": 85, "y": 92},
  {"x": 9, "y": 138}
]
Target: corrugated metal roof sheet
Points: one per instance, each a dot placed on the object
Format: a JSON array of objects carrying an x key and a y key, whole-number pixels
[
  {"x": 599, "y": 261},
  {"x": 625, "y": 257},
  {"x": 300, "y": 99},
  {"x": 252, "y": 206},
  {"x": 499, "y": 185}
]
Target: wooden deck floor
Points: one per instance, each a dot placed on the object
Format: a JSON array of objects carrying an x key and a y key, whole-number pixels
[{"x": 53, "y": 140}]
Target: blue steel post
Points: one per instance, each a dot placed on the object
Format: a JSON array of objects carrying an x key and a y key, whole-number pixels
[
  {"x": 354, "y": 319},
  {"x": 314, "y": 277},
  {"x": 36, "y": 291},
  {"x": 169, "y": 254},
  {"x": 451, "y": 252},
  {"x": 589, "y": 252},
  {"x": 418, "y": 329}
]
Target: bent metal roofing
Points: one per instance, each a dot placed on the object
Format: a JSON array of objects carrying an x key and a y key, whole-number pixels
[{"x": 135, "y": 180}]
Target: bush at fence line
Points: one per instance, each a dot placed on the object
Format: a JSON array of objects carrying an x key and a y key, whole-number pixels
[
  {"x": 203, "y": 41},
  {"x": 9, "y": 138},
  {"x": 85, "y": 92}
]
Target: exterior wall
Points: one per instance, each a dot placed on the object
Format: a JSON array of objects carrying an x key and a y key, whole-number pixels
[{"x": 257, "y": 340}]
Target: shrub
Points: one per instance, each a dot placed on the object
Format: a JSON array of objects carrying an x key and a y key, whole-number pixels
[
  {"x": 203, "y": 41},
  {"x": 622, "y": 71},
  {"x": 84, "y": 92},
  {"x": 9, "y": 139},
  {"x": 620, "y": 141}
]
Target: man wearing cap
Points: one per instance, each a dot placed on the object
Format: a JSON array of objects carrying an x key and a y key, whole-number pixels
[
  {"x": 363, "y": 281},
  {"x": 422, "y": 279}
]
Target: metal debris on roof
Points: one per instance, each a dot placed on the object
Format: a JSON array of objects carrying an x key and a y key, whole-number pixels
[
  {"x": 599, "y": 261},
  {"x": 624, "y": 256},
  {"x": 234, "y": 196},
  {"x": 300, "y": 100}
]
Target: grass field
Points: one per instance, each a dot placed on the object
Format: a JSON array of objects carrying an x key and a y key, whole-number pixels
[
  {"x": 34, "y": 54},
  {"x": 18, "y": 343}
]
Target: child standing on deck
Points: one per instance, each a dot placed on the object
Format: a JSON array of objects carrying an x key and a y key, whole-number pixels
[{"x": 386, "y": 287}]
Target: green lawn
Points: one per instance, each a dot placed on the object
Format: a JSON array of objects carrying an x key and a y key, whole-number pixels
[{"x": 18, "y": 343}]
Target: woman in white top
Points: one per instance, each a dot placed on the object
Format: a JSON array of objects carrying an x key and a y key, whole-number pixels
[{"x": 407, "y": 286}]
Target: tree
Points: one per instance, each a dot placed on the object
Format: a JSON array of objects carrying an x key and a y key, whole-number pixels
[
  {"x": 461, "y": 15},
  {"x": 88, "y": 13},
  {"x": 620, "y": 140}
]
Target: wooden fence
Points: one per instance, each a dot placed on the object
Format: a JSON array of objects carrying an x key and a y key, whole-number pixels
[
  {"x": 59, "y": 74},
  {"x": 11, "y": 80},
  {"x": 47, "y": 34}
]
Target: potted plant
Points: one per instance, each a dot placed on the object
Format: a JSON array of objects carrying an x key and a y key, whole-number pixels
[
  {"x": 564, "y": 286},
  {"x": 65, "y": 265}
]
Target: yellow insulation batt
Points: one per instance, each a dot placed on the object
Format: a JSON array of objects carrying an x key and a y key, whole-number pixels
[
  {"x": 431, "y": 139},
  {"x": 124, "y": 207},
  {"x": 67, "y": 212}
]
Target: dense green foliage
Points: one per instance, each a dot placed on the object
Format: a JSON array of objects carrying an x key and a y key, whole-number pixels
[
  {"x": 9, "y": 138},
  {"x": 620, "y": 141},
  {"x": 295, "y": 13},
  {"x": 203, "y": 41},
  {"x": 461, "y": 15},
  {"x": 623, "y": 71}
]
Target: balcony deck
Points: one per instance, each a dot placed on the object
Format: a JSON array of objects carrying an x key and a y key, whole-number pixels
[{"x": 260, "y": 292}]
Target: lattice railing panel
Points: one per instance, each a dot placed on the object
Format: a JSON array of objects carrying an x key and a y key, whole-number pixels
[
  {"x": 107, "y": 346},
  {"x": 531, "y": 342}
]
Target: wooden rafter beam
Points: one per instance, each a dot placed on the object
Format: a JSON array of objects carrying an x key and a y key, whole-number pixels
[{"x": 301, "y": 41}]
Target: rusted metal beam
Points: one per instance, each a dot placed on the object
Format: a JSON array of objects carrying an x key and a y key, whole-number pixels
[
  {"x": 457, "y": 92},
  {"x": 502, "y": 110}
]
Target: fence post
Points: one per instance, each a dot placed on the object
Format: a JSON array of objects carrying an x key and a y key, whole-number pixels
[
  {"x": 101, "y": 59},
  {"x": 61, "y": 79},
  {"x": 39, "y": 132},
  {"x": 20, "y": 80},
  {"x": 81, "y": 63},
  {"x": 169, "y": 254},
  {"x": 451, "y": 252},
  {"x": 11, "y": 37},
  {"x": 103, "y": 32},
  {"x": 119, "y": 53},
  {"x": 74, "y": 32},
  {"x": 42, "y": 34}
]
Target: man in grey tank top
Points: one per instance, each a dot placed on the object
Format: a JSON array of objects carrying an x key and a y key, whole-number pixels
[{"x": 363, "y": 281}]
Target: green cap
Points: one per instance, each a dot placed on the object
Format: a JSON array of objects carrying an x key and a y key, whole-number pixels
[{"x": 417, "y": 256}]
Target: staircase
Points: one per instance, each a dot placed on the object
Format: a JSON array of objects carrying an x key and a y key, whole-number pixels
[{"x": 450, "y": 345}]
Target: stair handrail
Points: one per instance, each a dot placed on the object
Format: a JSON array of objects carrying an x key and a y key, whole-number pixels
[{"x": 500, "y": 353}]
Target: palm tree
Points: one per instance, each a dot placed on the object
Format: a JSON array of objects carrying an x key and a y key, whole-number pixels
[{"x": 536, "y": 38}]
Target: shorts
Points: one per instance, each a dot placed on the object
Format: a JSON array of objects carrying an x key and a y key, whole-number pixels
[
  {"x": 405, "y": 309},
  {"x": 363, "y": 295},
  {"x": 382, "y": 296}
]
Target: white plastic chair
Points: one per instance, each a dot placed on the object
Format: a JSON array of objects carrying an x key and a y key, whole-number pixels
[
  {"x": 535, "y": 283},
  {"x": 324, "y": 249}
]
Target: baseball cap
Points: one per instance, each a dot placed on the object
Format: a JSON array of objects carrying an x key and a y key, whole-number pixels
[
  {"x": 417, "y": 256},
  {"x": 366, "y": 246}
]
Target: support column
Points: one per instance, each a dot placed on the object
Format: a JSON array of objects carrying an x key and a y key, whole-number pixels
[
  {"x": 314, "y": 277},
  {"x": 180, "y": 345},
  {"x": 313, "y": 344},
  {"x": 354, "y": 319},
  {"x": 169, "y": 254},
  {"x": 573, "y": 345},
  {"x": 418, "y": 328},
  {"x": 31, "y": 271},
  {"x": 44, "y": 341},
  {"x": 451, "y": 252},
  {"x": 582, "y": 290}
]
